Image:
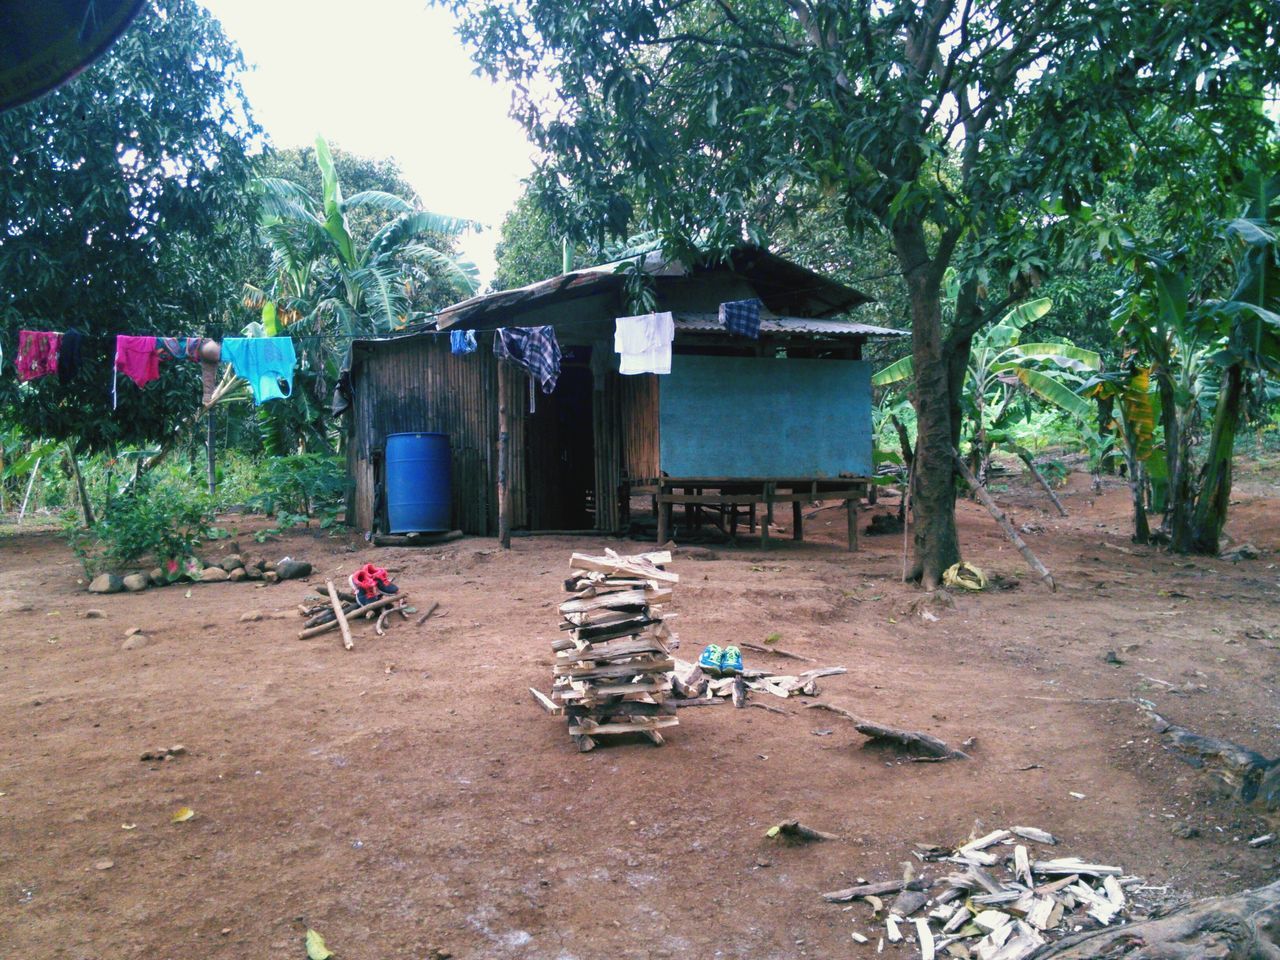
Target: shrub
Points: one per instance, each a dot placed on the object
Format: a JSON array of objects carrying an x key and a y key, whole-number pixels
[
  {"x": 299, "y": 484},
  {"x": 156, "y": 520}
]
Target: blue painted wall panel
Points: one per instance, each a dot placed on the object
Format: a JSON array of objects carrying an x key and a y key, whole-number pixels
[{"x": 765, "y": 417}]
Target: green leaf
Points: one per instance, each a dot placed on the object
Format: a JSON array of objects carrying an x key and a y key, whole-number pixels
[
  {"x": 1053, "y": 391},
  {"x": 895, "y": 372},
  {"x": 1063, "y": 354},
  {"x": 316, "y": 950}
]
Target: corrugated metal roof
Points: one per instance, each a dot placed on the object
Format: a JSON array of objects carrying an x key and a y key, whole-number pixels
[
  {"x": 785, "y": 326},
  {"x": 783, "y": 285}
]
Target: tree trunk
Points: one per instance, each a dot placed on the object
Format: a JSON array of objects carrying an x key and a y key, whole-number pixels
[
  {"x": 1239, "y": 927},
  {"x": 933, "y": 495},
  {"x": 81, "y": 491},
  {"x": 1215, "y": 484}
]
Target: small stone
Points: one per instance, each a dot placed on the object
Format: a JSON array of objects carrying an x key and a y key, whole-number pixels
[
  {"x": 104, "y": 865},
  {"x": 1185, "y": 830},
  {"x": 157, "y": 576},
  {"x": 267, "y": 565},
  {"x": 132, "y": 630},
  {"x": 236, "y": 575},
  {"x": 252, "y": 573},
  {"x": 293, "y": 569},
  {"x": 1245, "y": 551},
  {"x": 94, "y": 615},
  {"x": 258, "y": 565},
  {"x": 177, "y": 750},
  {"x": 136, "y": 582},
  {"x": 213, "y": 575},
  {"x": 106, "y": 583},
  {"x": 249, "y": 616},
  {"x": 135, "y": 642},
  {"x": 271, "y": 576},
  {"x": 231, "y": 562},
  {"x": 224, "y": 931}
]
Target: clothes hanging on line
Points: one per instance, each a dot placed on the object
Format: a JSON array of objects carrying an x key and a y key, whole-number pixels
[
  {"x": 265, "y": 362},
  {"x": 742, "y": 317},
  {"x": 37, "y": 354},
  {"x": 643, "y": 343},
  {"x": 138, "y": 359},
  {"x": 463, "y": 341},
  {"x": 180, "y": 348},
  {"x": 534, "y": 349},
  {"x": 70, "y": 355}
]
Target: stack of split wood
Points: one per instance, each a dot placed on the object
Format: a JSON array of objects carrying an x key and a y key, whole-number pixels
[
  {"x": 611, "y": 666},
  {"x": 1002, "y": 900},
  {"x": 340, "y": 610}
]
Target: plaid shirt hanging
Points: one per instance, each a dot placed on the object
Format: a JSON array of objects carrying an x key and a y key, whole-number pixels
[
  {"x": 742, "y": 317},
  {"x": 533, "y": 348}
]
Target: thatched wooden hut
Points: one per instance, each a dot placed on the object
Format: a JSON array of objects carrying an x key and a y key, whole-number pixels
[{"x": 784, "y": 417}]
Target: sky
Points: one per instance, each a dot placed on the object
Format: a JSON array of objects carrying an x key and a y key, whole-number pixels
[{"x": 385, "y": 78}]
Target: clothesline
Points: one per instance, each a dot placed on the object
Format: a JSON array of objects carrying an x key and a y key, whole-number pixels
[{"x": 642, "y": 342}]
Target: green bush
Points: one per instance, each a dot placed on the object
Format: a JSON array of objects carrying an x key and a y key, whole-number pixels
[
  {"x": 299, "y": 484},
  {"x": 160, "y": 521}
]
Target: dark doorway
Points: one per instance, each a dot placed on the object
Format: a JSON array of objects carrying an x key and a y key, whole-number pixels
[{"x": 560, "y": 454}]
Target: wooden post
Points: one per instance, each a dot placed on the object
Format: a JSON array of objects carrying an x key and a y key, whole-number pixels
[
  {"x": 768, "y": 517},
  {"x": 1032, "y": 560},
  {"x": 504, "y": 457},
  {"x": 797, "y": 521},
  {"x": 1026, "y": 458},
  {"x": 664, "y": 517},
  {"x": 851, "y": 511},
  {"x": 340, "y": 616},
  {"x": 210, "y": 442}
]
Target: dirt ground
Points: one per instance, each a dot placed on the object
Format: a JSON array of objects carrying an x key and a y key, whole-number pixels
[{"x": 410, "y": 796}]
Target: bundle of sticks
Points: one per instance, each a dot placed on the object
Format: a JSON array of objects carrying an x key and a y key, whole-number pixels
[
  {"x": 610, "y": 668},
  {"x": 341, "y": 608}
]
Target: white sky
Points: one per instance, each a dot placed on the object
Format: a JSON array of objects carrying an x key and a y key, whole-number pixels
[{"x": 385, "y": 78}]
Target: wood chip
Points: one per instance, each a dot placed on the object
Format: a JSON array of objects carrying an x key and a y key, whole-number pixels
[
  {"x": 1036, "y": 835},
  {"x": 925, "y": 937}
]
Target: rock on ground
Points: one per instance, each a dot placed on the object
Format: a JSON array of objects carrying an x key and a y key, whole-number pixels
[
  {"x": 136, "y": 582},
  {"x": 106, "y": 583},
  {"x": 213, "y": 575}
]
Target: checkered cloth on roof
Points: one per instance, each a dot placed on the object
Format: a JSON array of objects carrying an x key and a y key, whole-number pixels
[{"x": 742, "y": 317}]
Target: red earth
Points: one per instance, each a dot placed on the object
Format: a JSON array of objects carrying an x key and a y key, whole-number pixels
[{"x": 409, "y": 796}]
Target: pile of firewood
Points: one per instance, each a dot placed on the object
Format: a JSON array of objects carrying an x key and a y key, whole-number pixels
[
  {"x": 1000, "y": 900},
  {"x": 611, "y": 666},
  {"x": 341, "y": 609}
]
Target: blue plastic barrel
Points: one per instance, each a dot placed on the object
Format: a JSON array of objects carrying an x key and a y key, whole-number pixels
[{"x": 418, "y": 483}]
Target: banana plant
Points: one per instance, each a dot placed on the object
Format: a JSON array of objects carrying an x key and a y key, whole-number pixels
[{"x": 1003, "y": 370}]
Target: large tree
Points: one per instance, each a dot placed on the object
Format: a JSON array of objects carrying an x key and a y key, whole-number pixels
[
  {"x": 124, "y": 209},
  {"x": 962, "y": 128}
]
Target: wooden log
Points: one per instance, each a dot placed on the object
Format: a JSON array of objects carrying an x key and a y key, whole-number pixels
[
  {"x": 911, "y": 740},
  {"x": 435, "y": 605},
  {"x": 776, "y": 651},
  {"x": 333, "y": 623},
  {"x": 1242, "y": 926},
  {"x": 340, "y": 615},
  {"x": 416, "y": 539},
  {"x": 641, "y": 567},
  {"x": 999, "y": 516},
  {"x": 1242, "y": 771},
  {"x": 546, "y": 702},
  {"x": 614, "y": 601},
  {"x": 873, "y": 890},
  {"x": 851, "y": 518},
  {"x": 795, "y": 830},
  {"x": 1025, "y": 457}
]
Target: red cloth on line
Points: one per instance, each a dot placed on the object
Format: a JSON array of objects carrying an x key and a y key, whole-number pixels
[
  {"x": 138, "y": 359},
  {"x": 37, "y": 353}
]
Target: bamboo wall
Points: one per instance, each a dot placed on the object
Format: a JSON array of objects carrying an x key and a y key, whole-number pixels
[
  {"x": 416, "y": 384},
  {"x": 638, "y": 423}
]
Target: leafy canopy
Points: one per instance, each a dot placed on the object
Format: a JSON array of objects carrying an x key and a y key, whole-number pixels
[{"x": 124, "y": 210}]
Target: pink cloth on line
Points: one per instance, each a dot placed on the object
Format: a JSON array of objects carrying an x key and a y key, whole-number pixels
[
  {"x": 138, "y": 359},
  {"x": 37, "y": 353}
]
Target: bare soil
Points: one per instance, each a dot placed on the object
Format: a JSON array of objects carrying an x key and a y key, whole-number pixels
[{"x": 409, "y": 796}]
